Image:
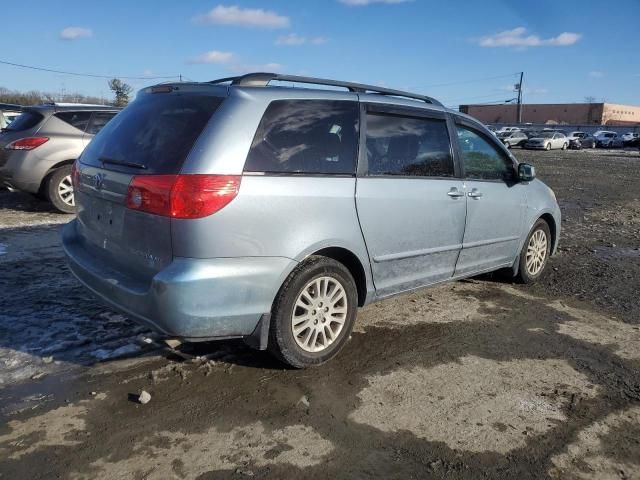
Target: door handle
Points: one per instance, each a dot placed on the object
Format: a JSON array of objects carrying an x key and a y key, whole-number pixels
[
  {"x": 455, "y": 193},
  {"x": 474, "y": 193}
]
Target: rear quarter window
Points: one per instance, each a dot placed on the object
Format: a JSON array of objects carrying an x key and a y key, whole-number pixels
[
  {"x": 79, "y": 120},
  {"x": 156, "y": 131},
  {"x": 98, "y": 121},
  {"x": 306, "y": 136}
]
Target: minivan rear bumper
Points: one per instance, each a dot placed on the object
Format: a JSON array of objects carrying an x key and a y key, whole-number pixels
[{"x": 193, "y": 299}]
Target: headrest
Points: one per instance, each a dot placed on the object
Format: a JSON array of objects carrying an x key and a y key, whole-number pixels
[{"x": 404, "y": 147}]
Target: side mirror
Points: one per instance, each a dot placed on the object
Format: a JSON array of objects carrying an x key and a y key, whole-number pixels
[{"x": 526, "y": 172}]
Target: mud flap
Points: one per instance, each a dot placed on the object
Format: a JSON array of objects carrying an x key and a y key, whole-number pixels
[
  {"x": 259, "y": 339},
  {"x": 515, "y": 268}
]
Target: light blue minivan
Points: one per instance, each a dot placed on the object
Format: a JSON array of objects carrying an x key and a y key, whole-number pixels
[{"x": 245, "y": 208}]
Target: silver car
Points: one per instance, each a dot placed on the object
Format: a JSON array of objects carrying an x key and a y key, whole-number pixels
[
  {"x": 548, "y": 141},
  {"x": 236, "y": 209},
  {"x": 39, "y": 147}
]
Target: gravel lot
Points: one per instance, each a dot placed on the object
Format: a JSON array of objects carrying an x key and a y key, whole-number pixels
[{"x": 476, "y": 379}]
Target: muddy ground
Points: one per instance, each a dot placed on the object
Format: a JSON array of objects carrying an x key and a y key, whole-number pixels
[{"x": 476, "y": 379}]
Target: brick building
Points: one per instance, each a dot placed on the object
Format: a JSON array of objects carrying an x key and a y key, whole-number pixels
[{"x": 558, "y": 113}]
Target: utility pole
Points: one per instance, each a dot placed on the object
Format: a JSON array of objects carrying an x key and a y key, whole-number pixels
[{"x": 519, "y": 88}]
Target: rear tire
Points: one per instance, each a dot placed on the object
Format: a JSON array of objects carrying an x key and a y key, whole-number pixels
[
  {"x": 564, "y": 146},
  {"x": 313, "y": 314},
  {"x": 535, "y": 253},
  {"x": 59, "y": 190},
  {"x": 507, "y": 144}
]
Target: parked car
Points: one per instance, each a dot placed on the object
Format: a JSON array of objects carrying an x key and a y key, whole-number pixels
[
  {"x": 617, "y": 142},
  {"x": 579, "y": 140},
  {"x": 557, "y": 130},
  {"x": 604, "y": 138},
  {"x": 578, "y": 143},
  {"x": 10, "y": 117},
  {"x": 492, "y": 129},
  {"x": 229, "y": 209},
  {"x": 627, "y": 138},
  {"x": 634, "y": 143},
  {"x": 530, "y": 133},
  {"x": 513, "y": 139},
  {"x": 39, "y": 147},
  {"x": 507, "y": 129},
  {"x": 8, "y": 113},
  {"x": 548, "y": 141}
]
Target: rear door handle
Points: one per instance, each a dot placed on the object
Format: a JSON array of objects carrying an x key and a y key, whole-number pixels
[
  {"x": 455, "y": 193},
  {"x": 474, "y": 193}
]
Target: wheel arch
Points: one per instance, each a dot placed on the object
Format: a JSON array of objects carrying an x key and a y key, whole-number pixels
[
  {"x": 353, "y": 264},
  {"x": 52, "y": 169},
  {"x": 553, "y": 228}
]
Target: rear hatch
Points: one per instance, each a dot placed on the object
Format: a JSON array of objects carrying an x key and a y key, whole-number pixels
[
  {"x": 26, "y": 125},
  {"x": 152, "y": 136}
]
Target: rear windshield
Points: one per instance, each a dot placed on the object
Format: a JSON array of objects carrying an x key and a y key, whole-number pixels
[
  {"x": 155, "y": 132},
  {"x": 25, "y": 121},
  {"x": 306, "y": 136}
]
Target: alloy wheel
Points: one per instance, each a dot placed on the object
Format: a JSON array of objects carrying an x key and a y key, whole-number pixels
[
  {"x": 65, "y": 191},
  {"x": 319, "y": 314},
  {"x": 536, "y": 252}
]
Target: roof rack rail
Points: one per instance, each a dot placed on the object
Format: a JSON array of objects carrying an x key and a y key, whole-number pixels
[{"x": 263, "y": 79}]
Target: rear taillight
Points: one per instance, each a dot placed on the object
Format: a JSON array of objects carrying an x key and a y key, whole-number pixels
[
  {"x": 28, "y": 143},
  {"x": 75, "y": 175},
  {"x": 182, "y": 196}
]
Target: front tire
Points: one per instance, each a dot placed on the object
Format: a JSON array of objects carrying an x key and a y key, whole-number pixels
[
  {"x": 547, "y": 147},
  {"x": 313, "y": 314},
  {"x": 564, "y": 146},
  {"x": 535, "y": 253},
  {"x": 59, "y": 190},
  {"x": 507, "y": 144}
]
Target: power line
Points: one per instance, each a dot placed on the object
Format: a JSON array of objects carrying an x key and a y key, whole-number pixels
[
  {"x": 462, "y": 82},
  {"x": 124, "y": 77},
  {"x": 478, "y": 97}
]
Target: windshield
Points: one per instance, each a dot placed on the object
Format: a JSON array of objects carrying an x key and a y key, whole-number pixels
[{"x": 546, "y": 135}]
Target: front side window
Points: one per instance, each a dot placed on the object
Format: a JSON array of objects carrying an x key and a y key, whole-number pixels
[
  {"x": 483, "y": 160},
  {"x": 306, "y": 136},
  {"x": 408, "y": 146},
  {"x": 79, "y": 120}
]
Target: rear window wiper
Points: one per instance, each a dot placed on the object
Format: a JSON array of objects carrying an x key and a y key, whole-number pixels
[{"x": 113, "y": 161}]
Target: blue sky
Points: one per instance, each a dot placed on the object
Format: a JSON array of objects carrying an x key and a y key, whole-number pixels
[{"x": 459, "y": 52}]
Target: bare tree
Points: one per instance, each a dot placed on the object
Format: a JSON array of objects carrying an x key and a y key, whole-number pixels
[{"x": 35, "y": 97}]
